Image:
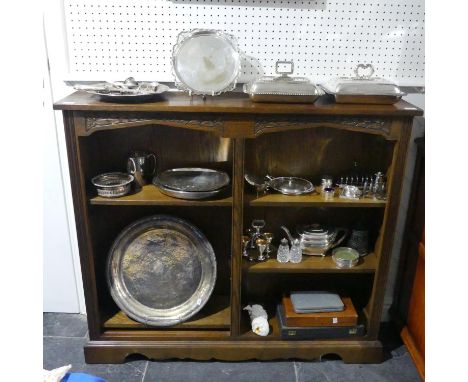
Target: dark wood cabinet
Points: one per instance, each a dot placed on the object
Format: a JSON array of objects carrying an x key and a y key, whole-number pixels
[{"x": 232, "y": 133}]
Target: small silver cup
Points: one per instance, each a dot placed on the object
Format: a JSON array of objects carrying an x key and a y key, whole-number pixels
[{"x": 327, "y": 182}]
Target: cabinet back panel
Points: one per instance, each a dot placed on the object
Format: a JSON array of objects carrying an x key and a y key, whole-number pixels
[
  {"x": 108, "y": 221},
  {"x": 107, "y": 151},
  {"x": 311, "y": 153}
]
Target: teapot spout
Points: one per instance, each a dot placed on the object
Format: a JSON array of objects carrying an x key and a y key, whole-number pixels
[{"x": 291, "y": 239}]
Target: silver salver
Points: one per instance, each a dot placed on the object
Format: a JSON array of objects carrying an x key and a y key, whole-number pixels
[
  {"x": 206, "y": 62},
  {"x": 161, "y": 270}
]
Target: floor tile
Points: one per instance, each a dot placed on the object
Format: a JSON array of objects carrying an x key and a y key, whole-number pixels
[
  {"x": 64, "y": 325},
  {"x": 220, "y": 372},
  {"x": 397, "y": 369},
  {"x": 65, "y": 338},
  {"x": 63, "y": 351}
]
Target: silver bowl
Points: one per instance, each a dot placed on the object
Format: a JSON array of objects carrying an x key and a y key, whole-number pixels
[
  {"x": 290, "y": 185},
  {"x": 113, "y": 184},
  {"x": 345, "y": 257}
]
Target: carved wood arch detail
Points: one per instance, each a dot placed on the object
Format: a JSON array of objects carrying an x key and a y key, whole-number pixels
[
  {"x": 93, "y": 124},
  {"x": 380, "y": 126}
]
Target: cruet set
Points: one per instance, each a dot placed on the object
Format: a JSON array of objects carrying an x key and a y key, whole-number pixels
[{"x": 256, "y": 239}]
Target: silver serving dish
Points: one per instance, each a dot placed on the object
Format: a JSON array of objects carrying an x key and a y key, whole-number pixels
[
  {"x": 125, "y": 91},
  {"x": 189, "y": 195},
  {"x": 345, "y": 257},
  {"x": 206, "y": 62},
  {"x": 112, "y": 184},
  {"x": 193, "y": 179},
  {"x": 161, "y": 270},
  {"x": 363, "y": 88},
  {"x": 283, "y": 88},
  {"x": 290, "y": 185}
]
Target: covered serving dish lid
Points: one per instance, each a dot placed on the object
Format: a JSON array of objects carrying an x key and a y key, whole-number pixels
[
  {"x": 283, "y": 88},
  {"x": 363, "y": 88}
]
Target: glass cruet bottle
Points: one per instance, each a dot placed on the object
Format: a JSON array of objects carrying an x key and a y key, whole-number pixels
[
  {"x": 295, "y": 255},
  {"x": 283, "y": 252}
]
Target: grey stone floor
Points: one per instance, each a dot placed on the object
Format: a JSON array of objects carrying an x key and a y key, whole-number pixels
[{"x": 65, "y": 335}]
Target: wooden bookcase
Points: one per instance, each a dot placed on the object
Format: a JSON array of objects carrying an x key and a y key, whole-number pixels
[{"x": 231, "y": 133}]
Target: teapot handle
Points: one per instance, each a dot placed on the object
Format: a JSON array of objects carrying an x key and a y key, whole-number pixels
[
  {"x": 291, "y": 239},
  {"x": 345, "y": 233}
]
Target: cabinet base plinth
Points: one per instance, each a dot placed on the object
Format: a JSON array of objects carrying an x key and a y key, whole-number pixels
[{"x": 348, "y": 351}]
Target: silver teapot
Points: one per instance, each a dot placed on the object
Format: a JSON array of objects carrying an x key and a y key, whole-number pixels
[{"x": 316, "y": 240}]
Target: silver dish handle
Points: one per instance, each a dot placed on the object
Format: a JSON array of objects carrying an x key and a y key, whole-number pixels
[
  {"x": 365, "y": 76},
  {"x": 283, "y": 72}
]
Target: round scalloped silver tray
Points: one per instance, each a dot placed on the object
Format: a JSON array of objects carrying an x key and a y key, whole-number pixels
[
  {"x": 206, "y": 61},
  {"x": 161, "y": 270}
]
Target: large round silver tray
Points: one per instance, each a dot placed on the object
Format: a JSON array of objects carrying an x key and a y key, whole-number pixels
[
  {"x": 192, "y": 179},
  {"x": 206, "y": 61},
  {"x": 161, "y": 270}
]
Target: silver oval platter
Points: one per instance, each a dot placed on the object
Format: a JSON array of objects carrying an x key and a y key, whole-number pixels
[
  {"x": 117, "y": 92},
  {"x": 206, "y": 62},
  {"x": 192, "y": 179},
  {"x": 161, "y": 270}
]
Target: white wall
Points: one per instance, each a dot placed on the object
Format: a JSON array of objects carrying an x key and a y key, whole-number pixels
[
  {"x": 62, "y": 288},
  {"x": 60, "y": 291}
]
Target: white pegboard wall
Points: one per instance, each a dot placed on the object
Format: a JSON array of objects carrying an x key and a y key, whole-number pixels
[{"x": 112, "y": 39}]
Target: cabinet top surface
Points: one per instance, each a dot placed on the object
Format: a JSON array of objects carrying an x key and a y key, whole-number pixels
[{"x": 232, "y": 103}]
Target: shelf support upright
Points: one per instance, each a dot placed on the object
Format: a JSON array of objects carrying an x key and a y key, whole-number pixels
[{"x": 236, "y": 233}]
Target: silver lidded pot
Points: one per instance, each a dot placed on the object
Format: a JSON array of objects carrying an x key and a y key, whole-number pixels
[
  {"x": 317, "y": 240},
  {"x": 363, "y": 88},
  {"x": 283, "y": 88}
]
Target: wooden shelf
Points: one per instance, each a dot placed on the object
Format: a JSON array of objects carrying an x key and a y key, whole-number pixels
[
  {"x": 247, "y": 334},
  {"x": 274, "y": 334},
  {"x": 310, "y": 264},
  {"x": 215, "y": 315},
  {"x": 150, "y": 195},
  {"x": 310, "y": 200}
]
